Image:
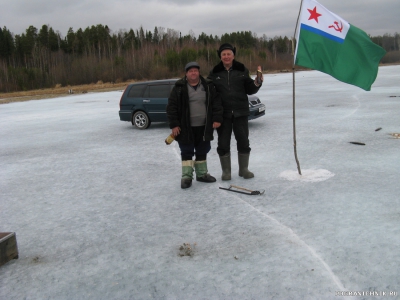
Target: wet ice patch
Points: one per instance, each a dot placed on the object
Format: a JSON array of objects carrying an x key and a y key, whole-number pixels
[{"x": 307, "y": 175}]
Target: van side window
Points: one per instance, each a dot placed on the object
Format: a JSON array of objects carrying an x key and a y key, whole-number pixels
[
  {"x": 159, "y": 91},
  {"x": 136, "y": 90}
]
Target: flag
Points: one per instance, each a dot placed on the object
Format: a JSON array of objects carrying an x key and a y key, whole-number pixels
[{"x": 327, "y": 43}]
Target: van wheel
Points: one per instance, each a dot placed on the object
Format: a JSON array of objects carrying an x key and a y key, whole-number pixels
[{"x": 141, "y": 120}]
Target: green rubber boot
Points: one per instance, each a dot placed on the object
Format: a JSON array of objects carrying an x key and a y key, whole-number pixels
[
  {"x": 243, "y": 159},
  {"x": 226, "y": 166},
  {"x": 187, "y": 174},
  {"x": 202, "y": 172}
]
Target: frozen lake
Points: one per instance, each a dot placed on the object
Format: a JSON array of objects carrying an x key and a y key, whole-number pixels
[{"x": 98, "y": 211}]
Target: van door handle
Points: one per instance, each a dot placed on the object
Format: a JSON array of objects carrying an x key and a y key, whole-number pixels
[{"x": 146, "y": 101}]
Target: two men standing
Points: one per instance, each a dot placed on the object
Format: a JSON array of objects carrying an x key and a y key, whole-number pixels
[{"x": 197, "y": 106}]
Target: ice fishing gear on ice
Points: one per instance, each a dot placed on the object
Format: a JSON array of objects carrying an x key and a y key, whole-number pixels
[{"x": 242, "y": 190}]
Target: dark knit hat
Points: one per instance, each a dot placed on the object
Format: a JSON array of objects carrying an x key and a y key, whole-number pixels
[
  {"x": 226, "y": 46},
  {"x": 192, "y": 64}
]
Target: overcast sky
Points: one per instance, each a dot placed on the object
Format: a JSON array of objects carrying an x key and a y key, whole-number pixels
[{"x": 272, "y": 18}]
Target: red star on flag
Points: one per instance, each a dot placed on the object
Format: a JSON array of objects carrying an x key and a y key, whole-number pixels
[{"x": 313, "y": 14}]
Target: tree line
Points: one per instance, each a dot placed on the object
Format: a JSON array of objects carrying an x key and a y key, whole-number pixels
[{"x": 43, "y": 58}]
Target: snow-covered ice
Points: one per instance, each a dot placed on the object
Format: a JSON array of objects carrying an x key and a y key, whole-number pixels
[
  {"x": 98, "y": 211},
  {"x": 307, "y": 175}
]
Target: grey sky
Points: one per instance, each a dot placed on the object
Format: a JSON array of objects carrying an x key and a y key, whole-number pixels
[{"x": 272, "y": 18}]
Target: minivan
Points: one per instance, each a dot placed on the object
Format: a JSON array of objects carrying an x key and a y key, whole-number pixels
[{"x": 145, "y": 102}]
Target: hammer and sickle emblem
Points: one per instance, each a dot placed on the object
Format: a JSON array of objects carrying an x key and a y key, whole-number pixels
[{"x": 336, "y": 26}]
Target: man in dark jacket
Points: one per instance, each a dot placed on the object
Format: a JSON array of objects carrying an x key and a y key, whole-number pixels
[
  {"x": 194, "y": 110},
  {"x": 233, "y": 82}
]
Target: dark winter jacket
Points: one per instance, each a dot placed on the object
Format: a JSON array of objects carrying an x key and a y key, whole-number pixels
[
  {"x": 233, "y": 86},
  {"x": 178, "y": 111}
]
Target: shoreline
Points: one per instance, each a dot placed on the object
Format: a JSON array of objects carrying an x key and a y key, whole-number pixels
[{"x": 90, "y": 88}]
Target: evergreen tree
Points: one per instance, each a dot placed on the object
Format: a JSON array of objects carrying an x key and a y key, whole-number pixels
[
  {"x": 43, "y": 36},
  {"x": 156, "y": 38},
  {"x": 54, "y": 40},
  {"x": 7, "y": 47}
]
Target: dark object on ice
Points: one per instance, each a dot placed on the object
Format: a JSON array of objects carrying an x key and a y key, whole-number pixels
[
  {"x": 243, "y": 190},
  {"x": 357, "y": 143},
  {"x": 8, "y": 247},
  {"x": 186, "y": 249},
  {"x": 378, "y": 129}
]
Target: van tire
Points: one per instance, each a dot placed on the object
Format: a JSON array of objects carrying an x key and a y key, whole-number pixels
[{"x": 141, "y": 120}]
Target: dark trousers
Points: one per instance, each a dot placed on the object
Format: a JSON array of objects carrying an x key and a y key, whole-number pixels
[
  {"x": 240, "y": 128},
  {"x": 198, "y": 148}
]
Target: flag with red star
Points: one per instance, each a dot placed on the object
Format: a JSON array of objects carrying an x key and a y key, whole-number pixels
[{"x": 328, "y": 43}]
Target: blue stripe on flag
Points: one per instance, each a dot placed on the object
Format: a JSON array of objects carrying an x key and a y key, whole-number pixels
[{"x": 322, "y": 33}]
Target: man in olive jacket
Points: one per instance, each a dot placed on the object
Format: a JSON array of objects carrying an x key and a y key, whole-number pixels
[
  {"x": 233, "y": 82},
  {"x": 194, "y": 110}
]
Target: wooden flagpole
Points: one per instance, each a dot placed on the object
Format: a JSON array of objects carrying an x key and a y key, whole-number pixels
[{"x": 294, "y": 98}]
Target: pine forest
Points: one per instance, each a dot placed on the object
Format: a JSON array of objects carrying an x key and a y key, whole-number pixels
[{"x": 42, "y": 58}]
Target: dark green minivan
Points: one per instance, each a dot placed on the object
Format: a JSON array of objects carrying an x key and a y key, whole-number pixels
[{"x": 145, "y": 102}]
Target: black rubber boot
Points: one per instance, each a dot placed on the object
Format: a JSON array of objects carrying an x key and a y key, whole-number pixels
[
  {"x": 186, "y": 183},
  {"x": 206, "y": 178}
]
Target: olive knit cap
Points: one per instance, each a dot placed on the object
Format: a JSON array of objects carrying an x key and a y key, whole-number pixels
[{"x": 226, "y": 46}]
